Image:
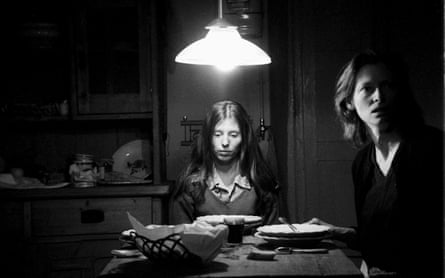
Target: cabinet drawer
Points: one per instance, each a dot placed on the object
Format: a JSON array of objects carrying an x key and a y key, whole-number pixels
[
  {"x": 11, "y": 217},
  {"x": 87, "y": 216}
]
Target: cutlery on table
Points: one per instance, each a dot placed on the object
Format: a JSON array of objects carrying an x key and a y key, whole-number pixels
[
  {"x": 284, "y": 221},
  {"x": 290, "y": 250}
]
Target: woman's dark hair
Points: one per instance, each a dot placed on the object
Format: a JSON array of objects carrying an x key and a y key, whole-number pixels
[
  {"x": 407, "y": 114},
  {"x": 251, "y": 162}
]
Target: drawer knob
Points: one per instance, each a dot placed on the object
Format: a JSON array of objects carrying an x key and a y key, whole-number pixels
[{"x": 92, "y": 216}]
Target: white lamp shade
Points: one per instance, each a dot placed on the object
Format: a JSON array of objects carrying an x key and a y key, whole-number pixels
[{"x": 223, "y": 47}]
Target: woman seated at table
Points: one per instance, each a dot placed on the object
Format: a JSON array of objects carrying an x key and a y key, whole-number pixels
[
  {"x": 227, "y": 173},
  {"x": 397, "y": 174}
]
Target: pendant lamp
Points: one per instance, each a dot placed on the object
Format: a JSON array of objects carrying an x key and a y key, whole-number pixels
[{"x": 223, "y": 47}]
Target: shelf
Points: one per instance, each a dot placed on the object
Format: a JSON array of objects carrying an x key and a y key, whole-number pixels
[
  {"x": 132, "y": 116},
  {"x": 78, "y": 118},
  {"x": 34, "y": 119},
  {"x": 91, "y": 192}
]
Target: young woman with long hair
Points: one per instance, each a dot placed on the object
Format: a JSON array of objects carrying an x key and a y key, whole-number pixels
[{"x": 227, "y": 173}]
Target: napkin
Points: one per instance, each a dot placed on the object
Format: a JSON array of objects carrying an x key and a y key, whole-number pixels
[
  {"x": 200, "y": 238},
  {"x": 153, "y": 232},
  {"x": 204, "y": 240}
]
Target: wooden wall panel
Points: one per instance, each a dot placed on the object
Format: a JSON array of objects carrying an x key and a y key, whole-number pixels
[{"x": 332, "y": 32}]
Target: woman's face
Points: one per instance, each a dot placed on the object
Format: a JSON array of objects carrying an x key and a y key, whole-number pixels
[
  {"x": 374, "y": 96},
  {"x": 226, "y": 141}
]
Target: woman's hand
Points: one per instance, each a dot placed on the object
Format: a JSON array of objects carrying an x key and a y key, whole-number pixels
[
  {"x": 317, "y": 221},
  {"x": 345, "y": 234}
]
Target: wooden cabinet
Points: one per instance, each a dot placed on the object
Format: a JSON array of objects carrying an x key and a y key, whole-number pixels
[
  {"x": 70, "y": 232},
  {"x": 115, "y": 72},
  {"x": 100, "y": 55},
  {"x": 87, "y": 216},
  {"x": 99, "y": 58},
  {"x": 118, "y": 67},
  {"x": 36, "y": 59}
]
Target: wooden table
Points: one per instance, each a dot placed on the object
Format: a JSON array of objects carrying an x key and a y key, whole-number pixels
[{"x": 234, "y": 263}]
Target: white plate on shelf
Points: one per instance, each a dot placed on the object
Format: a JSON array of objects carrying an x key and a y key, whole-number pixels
[
  {"x": 219, "y": 219},
  {"x": 283, "y": 230},
  {"x": 134, "y": 159}
]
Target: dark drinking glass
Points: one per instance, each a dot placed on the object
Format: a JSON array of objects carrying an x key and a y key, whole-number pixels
[{"x": 236, "y": 229}]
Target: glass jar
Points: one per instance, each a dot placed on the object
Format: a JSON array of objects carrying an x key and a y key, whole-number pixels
[{"x": 83, "y": 171}]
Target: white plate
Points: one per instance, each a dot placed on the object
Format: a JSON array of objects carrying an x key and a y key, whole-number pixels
[
  {"x": 134, "y": 159},
  {"x": 303, "y": 242},
  {"x": 219, "y": 219},
  {"x": 283, "y": 230}
]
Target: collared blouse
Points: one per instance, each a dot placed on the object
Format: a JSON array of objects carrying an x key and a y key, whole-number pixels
[{"x": 230, "y": 192}]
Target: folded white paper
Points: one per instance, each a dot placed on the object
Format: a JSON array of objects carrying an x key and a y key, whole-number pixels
[{"x": 200, "y": 238}]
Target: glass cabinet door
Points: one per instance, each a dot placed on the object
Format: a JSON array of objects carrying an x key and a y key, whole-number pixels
[{"x": 112, "y": 62}]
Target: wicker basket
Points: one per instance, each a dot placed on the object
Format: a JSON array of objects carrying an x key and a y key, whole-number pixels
[{"x": 165, "y": 250}]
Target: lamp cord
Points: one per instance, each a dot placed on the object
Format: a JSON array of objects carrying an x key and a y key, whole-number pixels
[{"x": 220, "y": 13}]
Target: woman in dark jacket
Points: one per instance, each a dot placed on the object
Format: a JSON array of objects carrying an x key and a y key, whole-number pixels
[
  {"x": 397, "y": 174},
  {"x": 227, "y": 173}
]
